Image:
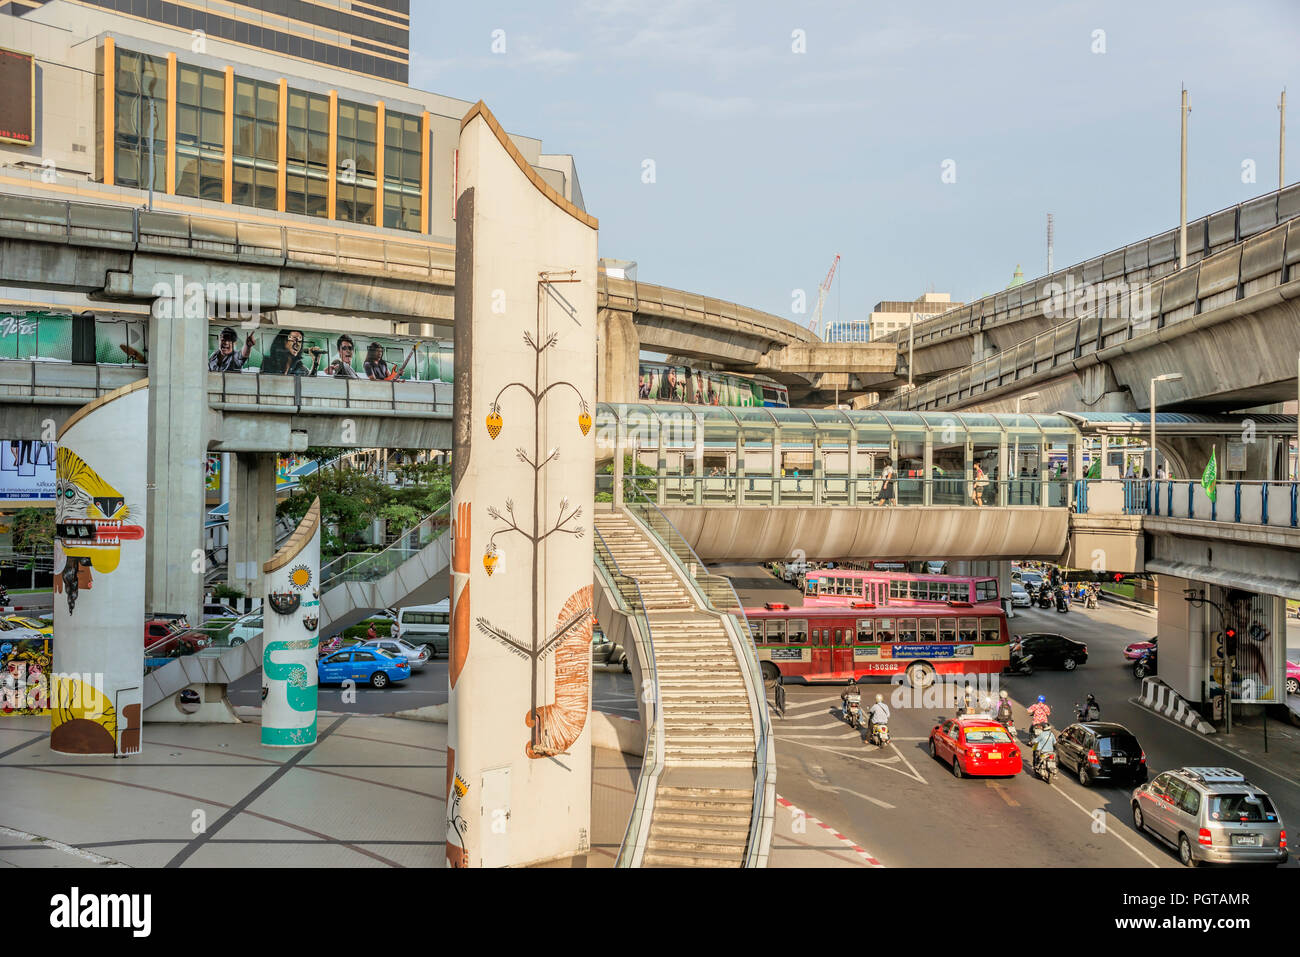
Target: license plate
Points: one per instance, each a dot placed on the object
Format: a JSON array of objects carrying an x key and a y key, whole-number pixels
[
  {"x": 1118, "y": 760},
  {"x": 1245, "y": 840},
  {"x": 995, "y": 755}
]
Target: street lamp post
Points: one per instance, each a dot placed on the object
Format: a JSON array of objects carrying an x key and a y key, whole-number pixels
[
  {"x": 1015, "y": 455},
  {"x": 1167, "y": 377}
]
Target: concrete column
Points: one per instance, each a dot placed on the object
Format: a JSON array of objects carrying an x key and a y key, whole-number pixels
[
  {"x": 853, "y": 468},
  {"x": 697, "y": 456},
  {"x": 177, "y": 444},
  {"x": 740, "y": 467},
  {"x": 618, "y": 354},
  {"x": 1004, "y": 483},
  {"x": 292, "y": 616},
  {"x": 251, "y": 521}
]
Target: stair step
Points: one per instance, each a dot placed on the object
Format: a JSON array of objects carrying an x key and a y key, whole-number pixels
[
  {"x": 671, "y": 859},
  {"x": 694, "y": 845},
  {"x": 713, "y": 833},
  {"x": 739, "y": 817},
  {"x": 704, "y": 805}
]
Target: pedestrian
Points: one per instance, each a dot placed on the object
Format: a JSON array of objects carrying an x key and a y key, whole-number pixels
[
  {"x": 977, "y": 486},
  {"x": 372, "y": 634},
  {"x": 886, "y": 484}
]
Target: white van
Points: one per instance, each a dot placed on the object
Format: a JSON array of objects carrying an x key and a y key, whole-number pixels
[{"x": 425, "y": 625}]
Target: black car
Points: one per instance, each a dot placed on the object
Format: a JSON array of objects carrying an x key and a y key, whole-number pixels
[
  {"x": 1102, "y": 751},
  {"x": 1053, "y": 651}
]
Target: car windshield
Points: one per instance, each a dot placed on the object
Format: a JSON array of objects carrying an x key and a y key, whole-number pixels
[
  {"x": 1255, "y": 808},
  {"x": 987, "y": 736}
]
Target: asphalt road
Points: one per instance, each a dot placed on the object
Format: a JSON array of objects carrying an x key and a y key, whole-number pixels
[
  {"x": 611, "y": 691},
  {"x": 908, "y": 810}
]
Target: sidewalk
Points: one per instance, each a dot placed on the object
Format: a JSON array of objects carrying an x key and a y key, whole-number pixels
[
  {"x": 369, "y": 794},
  {"x": 1247, "y": 740}
]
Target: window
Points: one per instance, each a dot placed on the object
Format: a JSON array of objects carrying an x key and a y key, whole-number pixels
[
  {"x": 200, "y": 133},
  {"x": 402, "y": 167},
  {"x": 799, "y": 631},
  {"x": 990, "y": 629},
  {"x": 866, "y": 631},
  {"x": 1255, "y": 808},
  {"x": 817, "y": 636},
  {"x": 885, "y": 630},
  {"x": 255, "y": 150},
  {"x": 907, "y": 629},
  {"x": 986, "y": 590},
  {"x": 947, "y": 630},
  {"x": 339, "y": 657},
  {"x": 141, "y": 83},
  {"x": 839, "y": 636},
  {"x": 776, "y": 632},
  {"x": 364, "y": 656},
  {"x": 307, "y": 154},
  {"x": 355, "y": 171},
  {"x": 928, "y": 631},
  {"x": 756, "y": 632},
  {"x": 966, "y": 630}
]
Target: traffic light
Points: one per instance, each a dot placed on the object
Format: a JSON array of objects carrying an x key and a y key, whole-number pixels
[{"x": 1230, "y": 642}]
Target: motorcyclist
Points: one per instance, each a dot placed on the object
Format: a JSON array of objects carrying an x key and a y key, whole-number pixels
[
  {"x": 1091, "y": 711},
  {"x": 878, "y": 714},
  {"x": 1004, "y": 714},
  {"x": 1040, "y": 713},
  {"x": 1044, "y": 744},
  {"x": 844, "y": 700}
]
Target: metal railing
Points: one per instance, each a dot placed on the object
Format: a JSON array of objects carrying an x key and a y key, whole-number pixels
[
  {"x": 719, "y": 596},
  {"x": 1231, "y": 275},
  {"x": 632, "y": 603},
  {"x": 1263, "y": 503},
  {"x": 372, "y": 566}
]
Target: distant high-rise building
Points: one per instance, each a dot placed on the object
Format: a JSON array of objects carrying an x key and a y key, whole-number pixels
[
  {"x": 890, "y": 316},
  {"x": 371, "y": 38}
]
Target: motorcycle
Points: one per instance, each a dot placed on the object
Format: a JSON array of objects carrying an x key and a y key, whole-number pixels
[
  {"x": 1146, "y": 665},
  {"x": 1045, "y": 766},
  {"x": 1062, "y": 602},
  {"x": 1091, "y": 600},
  {"x": 1019, "y": 664},
  {"x": 1005, "y": 719},
  {"x": 1044, "y": 597},
  {"x": 853, "y": 710},
  {"x": 1090, "y": 712}
]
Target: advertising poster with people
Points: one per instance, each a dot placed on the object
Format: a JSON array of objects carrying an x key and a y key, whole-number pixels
[
  {"x": 26, "y": 471},
  {"x": 665, "y": 383},
  {"x": 286, "y": 351},
  {"x": 40, "y": 336}
]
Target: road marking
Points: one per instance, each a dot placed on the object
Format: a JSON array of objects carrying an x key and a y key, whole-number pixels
[
  {"x": 1208, "y": 740},
  {"x": 866, "y": 855},
  {"x": 1109, "y": 829},
  {"x": 1001, "y": 792},
  {"x": 866, "y": 797},
  {"x": 816, "y": 727},
  {"x": 856, "y": 755},
  {"x": 88, "y": 856}
]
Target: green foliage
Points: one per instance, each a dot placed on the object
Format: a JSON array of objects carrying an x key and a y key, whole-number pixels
[
  {"x": 384, "y": 626},
  {"x": 226, "y": 590},
  {"x": 33, "y": 531}
]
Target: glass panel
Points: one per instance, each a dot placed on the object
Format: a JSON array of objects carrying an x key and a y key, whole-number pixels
[
  {"x": 776, "y": 631},
  {"x": 947, "y": 630},
  {"x": 967, "y": 631},
  {"x": 866, "y": 631},
  {"x": 928, "y": 630},
  {"x": 907, "y": 629},
  {"x": 884, "y": 630},
  {"x": 799, "y": 631},
  {"x": 990, "y": 630}
]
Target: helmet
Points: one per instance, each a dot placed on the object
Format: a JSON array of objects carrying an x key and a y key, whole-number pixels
[
  {"x": 1002, "y": 694},
  {"x": 1042, "y": 699},
  {"x": 879, "y": 698}
]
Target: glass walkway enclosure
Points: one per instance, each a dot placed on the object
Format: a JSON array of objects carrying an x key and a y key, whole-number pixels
[{"x": 714, "y": 455}]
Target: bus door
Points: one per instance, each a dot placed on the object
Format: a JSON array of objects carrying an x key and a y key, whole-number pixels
[
  {"x": 841, "y": 652},
  {"x": 819, "y": 645}
]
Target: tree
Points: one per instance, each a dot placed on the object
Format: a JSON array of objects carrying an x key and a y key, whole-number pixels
[{"x": 33, "y": 531}]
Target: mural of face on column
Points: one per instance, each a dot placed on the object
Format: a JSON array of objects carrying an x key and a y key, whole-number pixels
[{"x": 92, "y": 519}]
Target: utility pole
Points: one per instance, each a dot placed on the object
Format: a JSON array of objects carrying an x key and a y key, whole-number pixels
[
  {"x": 1281, "y": 141},
  {"x": 1051, "y": 235},
  {"x": 1182, "y": 189}
]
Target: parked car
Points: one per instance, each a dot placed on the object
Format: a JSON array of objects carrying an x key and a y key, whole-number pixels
[
  {"x": 1053, "y": 651},
  {"x": 370, "y": 665},
  {"x": 401, "y": 648},
  {"x": 1211, "y": 814},
  {"x": 34, "y": 624},
  {"x": 425, "y": 625},
  {"x": 218, "y": 609},
  {"x": 1137, "y": 649},
  {"x": 1019, "y": 597},
  {"x": 245, "y": 629},
  {"x": 14, "y": 632},
  {"x": 172, "y": 638},
  {"x": 975, "y": 745},
  {"x": 1292, "y": 677},
  {"x": 1102, "y": 751},
  {"x": 607, "y": 652}
]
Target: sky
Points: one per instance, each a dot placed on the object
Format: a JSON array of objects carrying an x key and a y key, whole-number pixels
[{"x": 782, "y": 134}]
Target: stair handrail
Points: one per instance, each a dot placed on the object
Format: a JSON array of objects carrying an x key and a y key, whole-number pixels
[
  {"x": 365, "y": 570},
  {"x": 628, "y": 592},
  {"x": 736, "y": 625}
]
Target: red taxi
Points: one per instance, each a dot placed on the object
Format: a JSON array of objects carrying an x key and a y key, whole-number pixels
[{"x": 975, "y": 745}]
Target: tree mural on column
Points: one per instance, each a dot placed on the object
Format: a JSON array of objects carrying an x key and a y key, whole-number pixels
[{"x": 554, "y": 727}]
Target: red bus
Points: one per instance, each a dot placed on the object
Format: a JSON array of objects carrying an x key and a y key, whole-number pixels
[
  {"x": 853, "y": 641},
  {"x": 842, "y": 585}
]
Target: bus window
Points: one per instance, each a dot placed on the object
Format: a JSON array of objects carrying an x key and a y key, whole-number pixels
[
  {"x": 885, "y": 629},
  {"x": 986, "y": 590},
  {"x": 799, "y": 631},
  {"x": 839, "y": 636},
  {"x": 866, "y": 631},
  {"x": 966, "y": 630},
  {"x": 816, "y": 636},
  {"x": 907, "y": 629},
  {"x": 756, "y": 632},
  {"x": 776, "y": 632},
  {"x": 928, "y": 631},
  {"x": 990, "y": 629},
  {"x": 947, "y": 630}
]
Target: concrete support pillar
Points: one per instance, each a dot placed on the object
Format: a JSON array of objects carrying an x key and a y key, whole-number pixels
[
  {"x": 1004, "y": 484},
  {"x": 177, "y": 445},
  {"x": 740, "y": 467},
  {"x": 251, "y": 520},
  {"x": 618, "y": 355},
  {"x": 853, "y": 468}
]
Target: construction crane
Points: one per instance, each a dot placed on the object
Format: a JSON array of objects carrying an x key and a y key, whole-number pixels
[{"x": 822, "y": 290}]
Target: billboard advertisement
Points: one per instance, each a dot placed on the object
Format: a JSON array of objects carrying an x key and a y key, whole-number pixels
[{"x": 26, "y": 471}]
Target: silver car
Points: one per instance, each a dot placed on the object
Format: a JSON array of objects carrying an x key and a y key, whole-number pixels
[
  {"x": 1211, "y": 814},
  {"x": 416, "y": 657}
]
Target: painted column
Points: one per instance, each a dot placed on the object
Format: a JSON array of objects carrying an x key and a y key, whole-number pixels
[
  {"x": 518, "y": 748},
  {"x": 291, "y": 614},
  {"x": 99, "y": 575}
]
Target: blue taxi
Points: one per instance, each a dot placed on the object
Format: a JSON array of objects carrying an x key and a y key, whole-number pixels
[{"x": 372, "y": 665}]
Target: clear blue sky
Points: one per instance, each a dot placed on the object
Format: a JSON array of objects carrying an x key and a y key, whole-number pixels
[{"x": 769, "y": 162}]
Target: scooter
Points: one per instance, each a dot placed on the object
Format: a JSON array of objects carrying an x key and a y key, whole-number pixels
[
  {"x": 1044, "y": 597},
  {"x": 1019, "y": 665},
  {"x": 1045, "y": 766},
  {"x": 1062, "y": 602},
  {"x": 1090, "y": 712},
  {"x": 1146, "y": 665},
  {"x": 853, "y": 710},
  {"x": 880, "y": 735}
]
